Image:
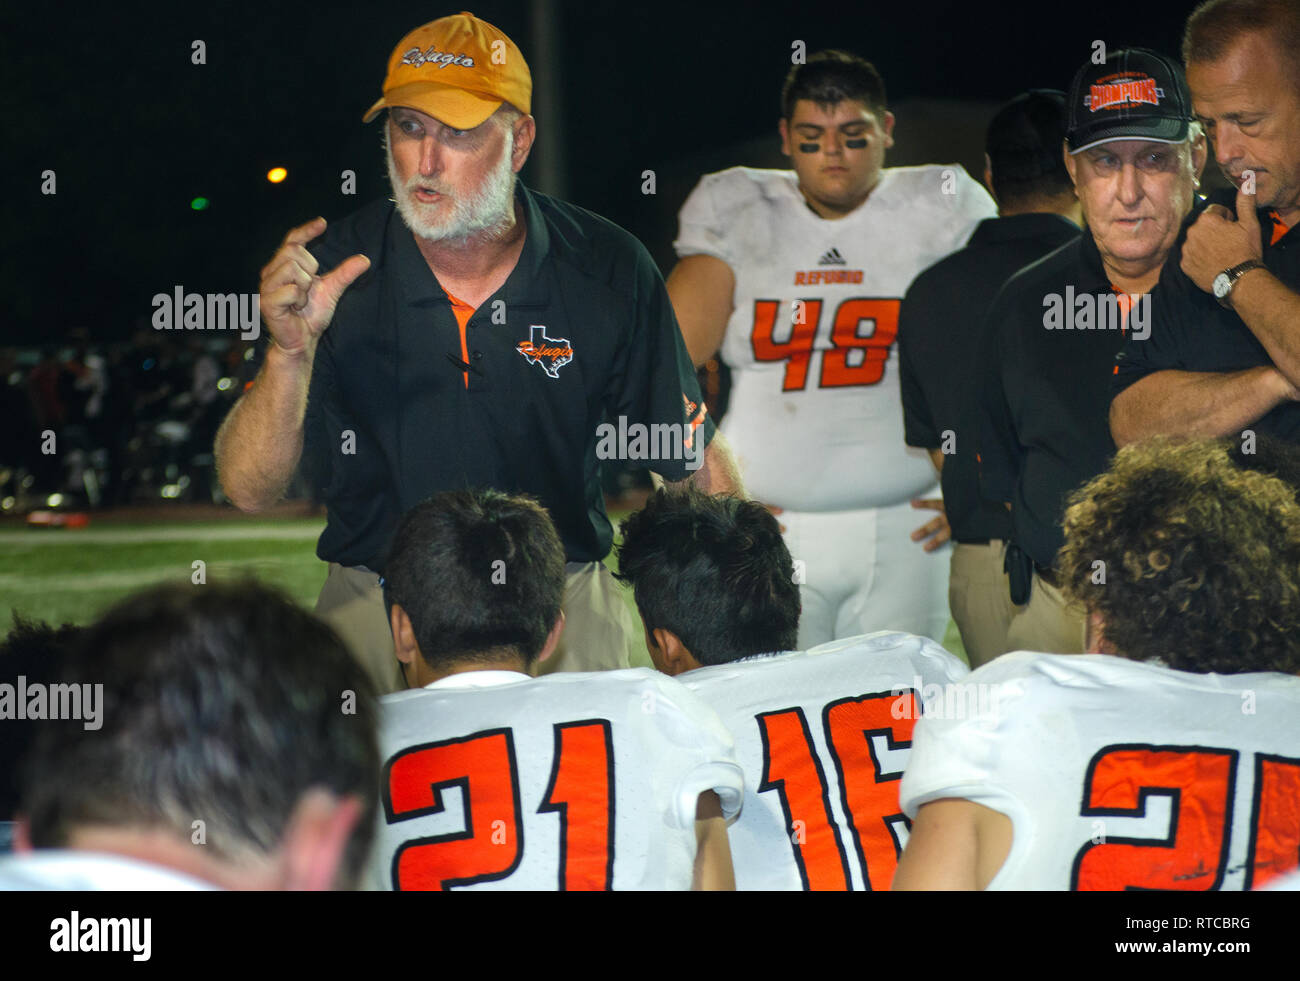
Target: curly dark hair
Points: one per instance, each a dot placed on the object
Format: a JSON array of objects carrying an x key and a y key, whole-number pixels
[{"x": 1201, "y": 559}]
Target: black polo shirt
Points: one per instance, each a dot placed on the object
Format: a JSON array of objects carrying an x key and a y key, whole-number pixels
[
  {"x": 582, "y": 327},
  {"x": 1044, "y": 425},
  {"x": 1190, "y": 331},
  {"x": 940, "y": 342}
]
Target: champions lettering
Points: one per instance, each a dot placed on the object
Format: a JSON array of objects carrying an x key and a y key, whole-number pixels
[
  {"x": 433, "y": 56},
  {"x": 1117, "y": 93},
  {"x": 815, "y": 276}
]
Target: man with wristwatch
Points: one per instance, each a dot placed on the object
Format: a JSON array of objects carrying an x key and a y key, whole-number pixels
[{"x": 1223, "y": 356}]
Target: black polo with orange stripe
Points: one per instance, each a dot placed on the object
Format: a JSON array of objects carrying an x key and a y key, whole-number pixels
[
  {"x": 1045, "y": 400},
  {"x": 1191, "y": 331},
  {"x": 404, "y": 402}
]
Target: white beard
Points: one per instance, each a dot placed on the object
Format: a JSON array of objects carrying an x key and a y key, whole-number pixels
[{"x": 486, "y": 211}]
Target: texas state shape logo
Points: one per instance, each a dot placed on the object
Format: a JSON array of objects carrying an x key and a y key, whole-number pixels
[{"x": 550, "y": 353}]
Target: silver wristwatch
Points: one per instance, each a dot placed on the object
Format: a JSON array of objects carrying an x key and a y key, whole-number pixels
[{"x": 1224, "y": 282}]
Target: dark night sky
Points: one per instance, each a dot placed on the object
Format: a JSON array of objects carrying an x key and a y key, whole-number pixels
[{"x": 107, "y": 97}]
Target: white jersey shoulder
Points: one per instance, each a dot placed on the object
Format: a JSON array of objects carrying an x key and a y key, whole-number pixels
[
  {"x": 70, "y": 870},
  {"x": 815, "y": 418},
  {"x": 569, "y": 781},
  {"x": 823, "y": 737},
  {"x": 1119, "y": 774}
]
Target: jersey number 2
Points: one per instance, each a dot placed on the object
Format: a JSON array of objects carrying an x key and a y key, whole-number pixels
[
  {"x": 868, "y": 793},
  {"x": 1200, "y": 783},
  {"x": 855, "y": 357},
  {"x": 580, "y": 790}
]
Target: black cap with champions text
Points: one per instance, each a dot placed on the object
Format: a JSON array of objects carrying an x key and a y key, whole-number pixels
[{"x": 1137, "y": 94}]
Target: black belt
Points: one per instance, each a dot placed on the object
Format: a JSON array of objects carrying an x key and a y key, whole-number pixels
[{"x": 973, "y": 541}]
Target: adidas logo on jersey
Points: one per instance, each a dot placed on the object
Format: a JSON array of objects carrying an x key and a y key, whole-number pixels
[{"x": 831, "y": 258}]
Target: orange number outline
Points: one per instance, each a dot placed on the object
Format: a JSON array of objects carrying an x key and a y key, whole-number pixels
[
  {"x": 407, "y": 780},
  {"x": 846, "y": 736},
  {"x": 1275, "y": 793},
  {"x": 583, "y": 852},
  {"x": 835, "y": 372},
  {"x": 1137, "y": 771}
]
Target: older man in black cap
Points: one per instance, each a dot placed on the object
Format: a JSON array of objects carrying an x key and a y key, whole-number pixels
[{"x": 1135, "y": 157}]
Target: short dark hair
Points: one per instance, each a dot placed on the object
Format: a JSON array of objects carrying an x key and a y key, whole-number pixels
[
  {"x": 35, "y": 651},
  {"x": 1201, "y": 559},
  {"x": 1214, "y": 26},
  {"x": 480, "y": 573},
  {"x": 221, "y": 703},
  {"x": 713, "y": 570},
  {"x": 829, "y": 77},
  {"x": 1023, "y": 142}
]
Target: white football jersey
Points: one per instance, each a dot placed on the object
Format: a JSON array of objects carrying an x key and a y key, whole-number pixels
[
  {"x": 1121, "y": 775},
  {"x": 823, "y": 736},
  {"x": 69, "y": 870},
  {"x": 815, "y": 418},
  {"x": 496, "y": 780}
]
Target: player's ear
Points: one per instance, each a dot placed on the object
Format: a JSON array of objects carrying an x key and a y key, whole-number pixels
[
  {"x": 784, "y": 130},
  {"x": 552, "y": 639},
  {"x": 316, "y": 839},
  {"x": 887, "y": 124},
  {"x": 988, "y": 177},
  {"x": 404, "y": 645},
  {"x": 674, "y": 656}
]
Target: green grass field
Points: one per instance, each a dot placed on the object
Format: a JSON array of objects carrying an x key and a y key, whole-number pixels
[{"x": 71, "y": 575}]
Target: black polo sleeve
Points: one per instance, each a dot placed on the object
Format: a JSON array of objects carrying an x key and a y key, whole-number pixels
[
  {"x": 918, "y": 423},
  {"x": 654, "y": 381}
]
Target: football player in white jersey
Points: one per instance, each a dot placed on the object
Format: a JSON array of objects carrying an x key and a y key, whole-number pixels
[
  {"x": 823, "y": 735},
  {"x": 796, "y": 278},
  {"x": 1170, "y": 757},
  {"x": 497, "y": 780},
  {"x": 205, "y": 749}
]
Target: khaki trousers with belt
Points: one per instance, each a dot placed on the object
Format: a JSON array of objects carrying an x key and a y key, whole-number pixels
[{"x": 600, "y": 631}]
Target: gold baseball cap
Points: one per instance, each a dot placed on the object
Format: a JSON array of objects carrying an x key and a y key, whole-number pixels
[{"x": 459, "y": 70}]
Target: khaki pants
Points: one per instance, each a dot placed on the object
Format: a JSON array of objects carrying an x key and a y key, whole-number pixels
[
  {"x": 979, "y": 595},
  {"x": 1046, "y": 624},
  {"x": 600, "y": 632}
]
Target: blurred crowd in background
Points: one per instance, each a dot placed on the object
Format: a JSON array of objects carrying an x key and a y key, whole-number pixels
[
  {"x": 100, "y": 425},
  {"x": 95, "y": 425}
]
